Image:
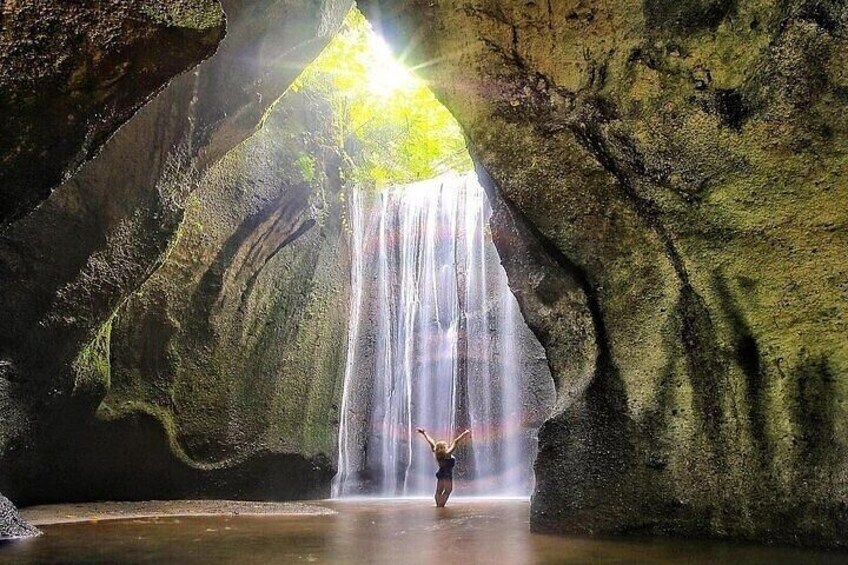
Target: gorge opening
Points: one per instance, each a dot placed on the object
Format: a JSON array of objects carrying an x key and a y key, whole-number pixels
[
  {"x": 242, "y": 248},
  {"x": 435, "y": 337}
]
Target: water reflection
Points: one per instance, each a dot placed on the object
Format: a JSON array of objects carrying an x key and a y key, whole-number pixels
[{"x": 374, "y": 531}]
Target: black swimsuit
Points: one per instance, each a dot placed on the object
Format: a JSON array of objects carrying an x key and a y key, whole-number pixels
[{"x": 446, "y": 467}]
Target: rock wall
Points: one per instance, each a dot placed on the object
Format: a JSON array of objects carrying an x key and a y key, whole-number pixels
[
  {"x": 69, "y": 264},
  {"x": 236, "y": 345},
  {"x": 71, "y": 73},
  {"x": 669, "y": 180}
]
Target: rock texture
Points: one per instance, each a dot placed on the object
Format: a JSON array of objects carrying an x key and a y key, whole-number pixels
[
  {"x": 66, "y": 267},
  {"x": 220, "y": 373},
  {"x": 12, "y": 526},
  {"x": 236, "y": 345},
  {"x": 669, "y": 178},
  {"x": 669, "y": 193},
  {"x": 71, "y": 73}
]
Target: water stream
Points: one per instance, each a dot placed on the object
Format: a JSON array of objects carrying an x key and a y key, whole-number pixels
[{"x": 436, "y": 340}]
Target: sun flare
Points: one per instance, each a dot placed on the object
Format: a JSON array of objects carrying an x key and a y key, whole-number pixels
[
  {"x": 394, "y": 128},
  {"x": 386, "y": 75}
]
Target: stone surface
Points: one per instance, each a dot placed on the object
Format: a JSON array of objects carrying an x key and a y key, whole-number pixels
[
  {"x": 669, "y": 193},
  {"x": 12, "y": 526},
  {"x": 71, "y": 73},
  {"x": 675, "y": 172},
  {"x": 66, "y": 267},
  {"x": 236, "y": 344}
]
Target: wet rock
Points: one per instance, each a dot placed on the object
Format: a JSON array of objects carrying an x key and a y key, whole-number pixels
[
  {"x": 667, "y": 233},
  {"x": 12, "y": 526},
  {"x": 69, "y": 264}
]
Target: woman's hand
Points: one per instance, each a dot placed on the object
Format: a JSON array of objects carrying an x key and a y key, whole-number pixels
[{"x": 427, "y": 438}]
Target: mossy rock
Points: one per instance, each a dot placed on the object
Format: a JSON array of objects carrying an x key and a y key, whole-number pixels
[{"x": 683, "y": 163}]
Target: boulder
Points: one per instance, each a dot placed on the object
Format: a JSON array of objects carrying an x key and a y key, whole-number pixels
[{"x": 12, "y": 526}]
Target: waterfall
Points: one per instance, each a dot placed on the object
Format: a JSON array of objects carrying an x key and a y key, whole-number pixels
[{"x": 436, "y": 340}]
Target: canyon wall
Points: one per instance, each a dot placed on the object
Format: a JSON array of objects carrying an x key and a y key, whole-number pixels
[
  {"x": 669, "y": 195},
  {"x": 70, "y": 263},
  {"x": 237, "y": 343},
  {"x": 669, "y": 180}
]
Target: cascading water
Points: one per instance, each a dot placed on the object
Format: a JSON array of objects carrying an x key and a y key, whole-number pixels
[{"x": 435, "y": 341}]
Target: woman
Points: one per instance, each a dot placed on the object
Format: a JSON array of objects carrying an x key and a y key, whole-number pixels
[{"x": 446, "y": 461}]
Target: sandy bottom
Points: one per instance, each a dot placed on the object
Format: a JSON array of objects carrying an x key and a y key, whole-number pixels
[
  {"x": 97, "y": 511},
  {"x": 403, "y": 532}
]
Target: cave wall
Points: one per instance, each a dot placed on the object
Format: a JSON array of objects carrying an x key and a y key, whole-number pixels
[
  {"x": 670, "y": 200},
  {"x": 71, "y": 73},
  {"x": 67, "y": 265},
  {"x": 236, "y": 344}
]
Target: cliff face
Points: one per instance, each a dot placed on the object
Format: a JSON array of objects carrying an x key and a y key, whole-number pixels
[
  {"x": 236, "y": 344},
  {"x": 69, "y": 264},
  {"x": 220, "y": 373},
  {"x": 673, "y": 174},
  {"x": 669, "y": 195},
  {"x": 70, "y": 74}
]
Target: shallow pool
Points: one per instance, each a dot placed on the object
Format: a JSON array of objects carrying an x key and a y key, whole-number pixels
[{"x": 393, "y": 532}]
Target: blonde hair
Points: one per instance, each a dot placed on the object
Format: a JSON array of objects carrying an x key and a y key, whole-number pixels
[{"x": 441, "y": 449}]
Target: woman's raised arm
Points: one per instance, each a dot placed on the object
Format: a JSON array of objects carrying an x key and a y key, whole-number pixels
[
  {"x": 456, "y": 441},
  {"x": 430, "y": 440}
]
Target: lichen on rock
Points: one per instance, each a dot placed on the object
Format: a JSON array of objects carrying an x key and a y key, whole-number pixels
[{"x": 682, "y": 164}]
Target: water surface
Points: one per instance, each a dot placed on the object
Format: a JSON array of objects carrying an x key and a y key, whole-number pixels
[{"x": 393, "y": 532}]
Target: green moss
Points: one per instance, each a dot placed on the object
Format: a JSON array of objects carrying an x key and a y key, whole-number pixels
[
  {"x": 92, "y": 367},
  {"x": 109, "y": 412},
  {"x": 704, "y": 142},
  {"x": 683, "y": 16},
  {"x": 199, "y": 15},
  {"x": 234, "y": 344},
  {"x": 306, "y": 163}
]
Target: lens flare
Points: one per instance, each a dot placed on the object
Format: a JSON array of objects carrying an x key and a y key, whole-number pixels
[{"x": 386, "y": 75}]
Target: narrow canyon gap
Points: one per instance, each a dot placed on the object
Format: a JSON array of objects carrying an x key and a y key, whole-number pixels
[{"x": 668, "y": 201}]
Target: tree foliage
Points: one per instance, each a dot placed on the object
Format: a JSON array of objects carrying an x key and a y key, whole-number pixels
[{"x": 387, "y": 120}]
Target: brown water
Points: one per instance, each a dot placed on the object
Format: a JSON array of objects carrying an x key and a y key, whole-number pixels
[{"x": 393, "y": 532}]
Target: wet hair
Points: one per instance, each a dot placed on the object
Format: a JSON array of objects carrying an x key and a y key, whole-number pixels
[{"x": 441, "y": 449}]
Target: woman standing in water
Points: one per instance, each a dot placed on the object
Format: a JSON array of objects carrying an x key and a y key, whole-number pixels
[{"x": 446, "y": 461}]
